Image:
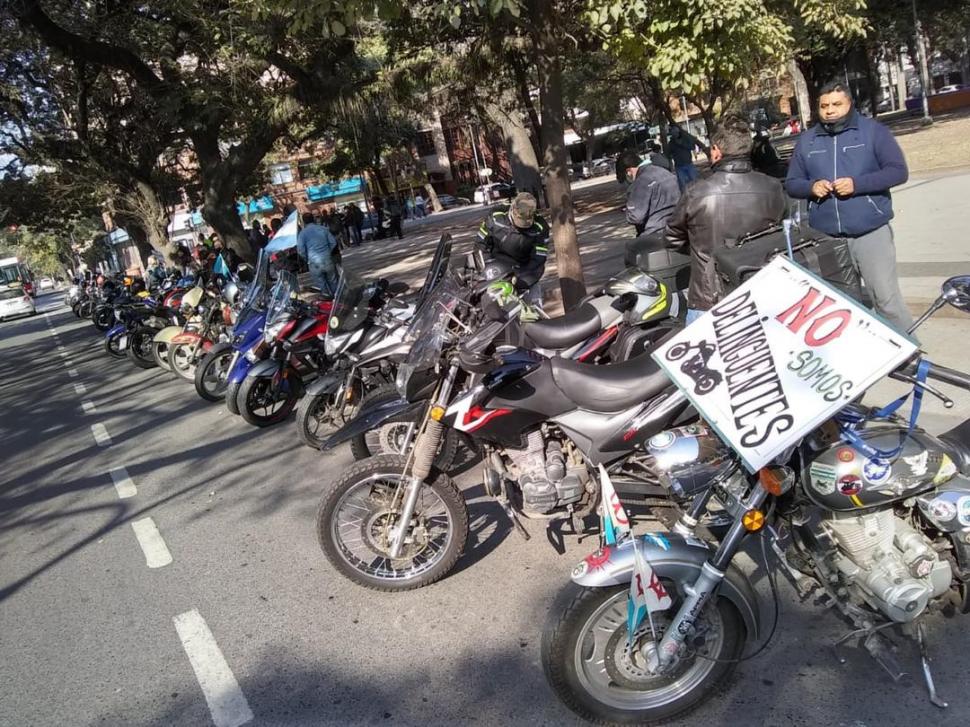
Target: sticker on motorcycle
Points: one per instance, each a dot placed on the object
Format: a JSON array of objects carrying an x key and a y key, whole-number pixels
[
  {"x": 943, "y": 510},
  {"x": 822, "y": 477},
  {"x": 963, "y": 510},
  {"x": 850, "y": 485},
  {"x": 947, "y": 470},
  {"x": 876, "y": 471},
  {"x": 918, "y": 462},
  {"x": 845, "y": 455}
]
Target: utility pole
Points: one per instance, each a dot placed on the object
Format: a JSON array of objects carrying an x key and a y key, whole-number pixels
[
  {"x": 924, "y": 76},
  {"x": 478, "y": 170}
]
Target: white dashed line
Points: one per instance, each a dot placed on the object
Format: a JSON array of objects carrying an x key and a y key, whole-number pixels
[
  {"x": 101, "y": 435},
  {"x": 62, "y": 353},
  {"x": 72, "y": 373},
  {"x": 89, "y": 407},
  {"x": 80, "y": 389},
  {"x": 151, "y": 542},
  {"x": 226, "y": 701},
  {"x": 123, "y": 484},
  {"x": 60, "y": 347}
]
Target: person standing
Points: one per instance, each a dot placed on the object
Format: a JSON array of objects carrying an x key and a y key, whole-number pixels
[
  {"x": 256, "y": 237},
  {"x": 355, "y": 218},
  {"x": 652, "y": 195},
  {"x": 845, "y": 166},
  {"x": 681, "y": 149},
  {"x": 379, "y": 211},
  {"x": 517, "y": 235},
  {"x": 419, "y": 205},
  {"x": 733, "y": 202},
  {"x": 316, "y": 245},
  {"x": 394, "y": 216}
]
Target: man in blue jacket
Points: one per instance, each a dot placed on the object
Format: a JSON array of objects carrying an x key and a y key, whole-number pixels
[
  {"x": 316, "y": 244},
  {"x": 845, "y": 166}
]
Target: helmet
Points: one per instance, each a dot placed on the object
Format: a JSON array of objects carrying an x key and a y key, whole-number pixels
[
  {"x": 230, "y": 291},
  {"x": 652, "y": 300},
  {"x": 633, "y": 280}
]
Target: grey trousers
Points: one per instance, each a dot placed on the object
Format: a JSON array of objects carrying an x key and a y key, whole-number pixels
[{"x": 874, "y": 258}]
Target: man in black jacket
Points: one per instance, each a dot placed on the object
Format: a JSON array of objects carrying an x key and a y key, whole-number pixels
[
  {"x": 733, "y": 202},
  {"x": 652, "y": 194},
  {"x": 517, "y": 235}
]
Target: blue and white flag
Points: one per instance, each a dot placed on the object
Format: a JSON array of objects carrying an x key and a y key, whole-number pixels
[
  {"x": 616, "y": 524},
  {"x": 220, "y": 267}
]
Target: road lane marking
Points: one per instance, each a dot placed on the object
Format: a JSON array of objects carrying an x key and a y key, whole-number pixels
[
  {"x": 62, "y": 353},
  {"x": 227, "y": 703},
  {"x": 89, "y": 407},
  {"x": 60, "y": 347},
  {"x": 151, "y": 542},
  {"x": 123, "y": 483},
  {"x": 72, "y": 373},
  {"x": 101, "y": 435},
  {"x": 80, "y": 389}
]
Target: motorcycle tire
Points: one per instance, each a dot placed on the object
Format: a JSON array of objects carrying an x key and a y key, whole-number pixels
[
  {"x": 111, "y": 348},
  {"x": 160, "y": 354},
  {"x": 365, "y": 476},
  {"x": 232, "y": 397},
  {"x": 313, "y": 409},
  {"x": 180, "y": 361},
  {"x": 103, "y": 318},
  {"x": 140, "y": 348},
  {"x": 84, "y": 309},
  {"x": 210, "y": 374},
  {"x": 250, "y": 392},
  {"x": 76, "y": 309},
  {"x": 384, "y": 439},
  {"x": 611, "y": 698}
]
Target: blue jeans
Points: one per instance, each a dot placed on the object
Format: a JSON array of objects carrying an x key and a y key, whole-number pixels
[
  {"x": 685, "y": 175},
  {"x": 324, "y": 277},
  {"x": 693, "y": 314}
]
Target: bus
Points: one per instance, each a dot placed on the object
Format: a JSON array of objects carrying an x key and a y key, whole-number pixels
[{"x": 14, "y": 274}]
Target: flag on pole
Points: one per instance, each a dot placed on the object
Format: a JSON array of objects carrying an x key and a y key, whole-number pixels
[
  {"x": 647, "y": 593},
  {"x": 220, "y": 267},
  {"x": 616, "y": 524}
]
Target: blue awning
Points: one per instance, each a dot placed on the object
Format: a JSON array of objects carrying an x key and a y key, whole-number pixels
[
  {"x": 197, "y": 219},
  {"x": 260, "y": 204},
  {"x": 323, "y": 192}
]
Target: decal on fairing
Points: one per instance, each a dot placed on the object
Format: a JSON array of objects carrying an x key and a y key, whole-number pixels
[
  {"x": 822, "y": 477},
  {"x": 963, "y": 510},
  {"x": 845, "y": 454},
  {"x": 876, "y": 471},
  {"x": 657, "y": 539},
  {"x": 918, "y": 463},
  {"x": 947, "y": 470}
]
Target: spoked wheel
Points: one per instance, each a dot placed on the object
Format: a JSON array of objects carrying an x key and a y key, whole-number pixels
[
  {"x": 140, "y": 348},
  {"x": 359, "y": 511},
  {"x": 160, "y": 353},
  {"x": 588, "y": 661},
  {"x": 260, "y": 405},
  {"x": 211, "y": 373},
  {"x": 392, "y": 437},
  {"x": 321, "y": 415},
  {"x": 182, "y": 361}
]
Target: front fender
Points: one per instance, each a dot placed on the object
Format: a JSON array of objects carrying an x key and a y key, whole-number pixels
[
  {"x": 385, "y": 411},
  {"x": 116, "y": 330},
  {"x": 670, "y": 556},
  {"x": 325, "y": 384},
  {"x": 192, "y": 337},
  {"x": 167, "y": 334},
  {"x": 266, "y": 368}
]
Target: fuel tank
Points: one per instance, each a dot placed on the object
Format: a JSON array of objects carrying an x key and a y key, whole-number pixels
[
  {"x": 687, "y": 459},
  {"x": 841, "y": 478}
]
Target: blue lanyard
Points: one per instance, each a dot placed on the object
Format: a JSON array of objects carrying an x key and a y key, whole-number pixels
[{"x": 848, "y": 422}]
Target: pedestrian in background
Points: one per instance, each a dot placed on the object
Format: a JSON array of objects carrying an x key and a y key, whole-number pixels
[
  {"x": 419, "y": 205},
  {"x": 355, "y": 218},
  {"x": 652, "y": 195},
  {"x": 256, "y": 237},
  {"x": 681, "y": 149},
  {"x": 394, "y": 217},
  {"x": 316, "y": 245},
  {"x": 845, "y": 166},
  {"x": 379, "y": 211}
]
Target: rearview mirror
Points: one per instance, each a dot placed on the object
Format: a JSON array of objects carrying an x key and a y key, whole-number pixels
[{"x": 956, "y": 292}]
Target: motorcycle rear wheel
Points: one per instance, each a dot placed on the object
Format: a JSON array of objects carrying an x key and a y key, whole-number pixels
[
  {"x": 587, "y": 661},
  {"x": 437, "y": 537},
  {"x": 140, "y": 348},
  {"x": 255, "y": 405},
  {"x": 211, "y": 373},
  {"x": 389, "y": 437}
]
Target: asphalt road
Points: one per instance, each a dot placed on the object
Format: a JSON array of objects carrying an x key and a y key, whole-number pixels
[{"x": 221, "y": 609}]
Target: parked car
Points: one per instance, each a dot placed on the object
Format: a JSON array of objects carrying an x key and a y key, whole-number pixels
[
  {"x": 495, "y": 191},
  {"x": 46, "y": 284},
  {"x": 448, "y": 201},
  {"x": 16, "y": 302},
  {"x": 602, "y": 166}
]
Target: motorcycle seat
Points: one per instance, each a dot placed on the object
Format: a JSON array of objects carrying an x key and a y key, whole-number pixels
[
  {"x": 609, "y": 387},
  {"x": 566, "y": 330}
]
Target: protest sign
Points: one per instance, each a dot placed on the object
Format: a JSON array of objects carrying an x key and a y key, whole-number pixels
[{"x": 779, "y": 356}]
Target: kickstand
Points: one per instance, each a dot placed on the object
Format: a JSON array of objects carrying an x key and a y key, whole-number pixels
[
  {"x": 515, "y": 519},
  {"x": 927, "y": 674}
]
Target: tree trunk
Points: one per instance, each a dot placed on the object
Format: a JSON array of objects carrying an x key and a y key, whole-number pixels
[
  {"x": 525, "y": 98},
  {"x": 156, "y": 219},
  {"x": 590, "y": 148},
  {"x": 558, "y": 192},
  {"x": 429, "y": 190},
  {"x": 522, "y": 156},
  {"x": 219, "y": 210}
]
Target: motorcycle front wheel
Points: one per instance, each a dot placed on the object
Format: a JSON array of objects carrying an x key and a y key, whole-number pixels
[
  {"x": 140, "y": 348},
  {"x": 357, "y": 515},
  {"x": 160, "y": 354},
  {"x": 232, "y": 397},
  {"x": 112, "y": 348},
  {"x": 319, "y": 416},
  {"x": 181, "y": 360},
  {"x": 260, "y": 405},
  {"x": 211, "y": 373},
  {"x": 588, "y": 662},
  {"x": 103, "y": 318}
]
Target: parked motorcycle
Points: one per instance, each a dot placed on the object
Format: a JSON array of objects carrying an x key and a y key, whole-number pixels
[
  {"x": 213, "y": 315},
  {"x": 882, "y": 540}
]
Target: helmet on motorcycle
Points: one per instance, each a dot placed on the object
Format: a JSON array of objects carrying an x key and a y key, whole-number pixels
[
  {"x": 230, "y": 292},
  {"x": 651, "y": 298}
]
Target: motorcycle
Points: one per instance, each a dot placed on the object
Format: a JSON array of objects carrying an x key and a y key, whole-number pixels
[
  {"x": 213, "y": 315},
  {"x": 541, "y": 423},
  {"x": 882, "y": 540}
]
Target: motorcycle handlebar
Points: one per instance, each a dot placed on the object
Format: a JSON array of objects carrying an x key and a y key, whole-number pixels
[{"x": 940, "y": 373}]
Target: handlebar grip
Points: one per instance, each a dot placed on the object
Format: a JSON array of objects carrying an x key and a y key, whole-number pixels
[{"x": 949, "y": 376}]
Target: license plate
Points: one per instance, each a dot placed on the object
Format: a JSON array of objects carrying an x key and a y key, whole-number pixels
[{"x": 122, "y": 342}]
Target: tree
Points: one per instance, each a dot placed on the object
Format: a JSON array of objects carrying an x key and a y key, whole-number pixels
[{"x": 594, "y": 95}]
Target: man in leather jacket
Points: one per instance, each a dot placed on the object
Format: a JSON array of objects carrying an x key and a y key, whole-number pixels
[
  {"x": 517, "y": 235},
  {"x": 733, "y": 202}
]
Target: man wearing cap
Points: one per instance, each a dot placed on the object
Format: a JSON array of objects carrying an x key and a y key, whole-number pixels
[
  {"x": 652, "y": 195},
  {"x": 520, "y": 236}
]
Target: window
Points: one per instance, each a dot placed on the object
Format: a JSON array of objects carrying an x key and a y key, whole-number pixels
[
  {"x": 280, "y": 173},
  {"x": 309, "y": 169},
  {"x": 424, "y": 143}
]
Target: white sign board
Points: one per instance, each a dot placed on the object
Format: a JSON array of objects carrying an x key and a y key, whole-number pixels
[{"x": 779, "y": 356}]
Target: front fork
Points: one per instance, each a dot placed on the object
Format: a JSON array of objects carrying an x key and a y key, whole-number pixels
[
  {"x": 666, "y": 654},
  {"x": 422, "y": 457}
]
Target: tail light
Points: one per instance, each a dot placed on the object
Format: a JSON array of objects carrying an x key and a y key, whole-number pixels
[{"x": 227, "y": 315}]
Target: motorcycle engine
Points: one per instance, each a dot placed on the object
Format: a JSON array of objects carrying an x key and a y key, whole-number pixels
[
  {"x": 886, "y": 563},
  {"x": 548, "y": 475}
]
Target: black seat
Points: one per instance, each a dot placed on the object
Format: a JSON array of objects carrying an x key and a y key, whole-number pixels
[
  {"x": 609, "y": 388},
  {"x": 565, "y": 331}
]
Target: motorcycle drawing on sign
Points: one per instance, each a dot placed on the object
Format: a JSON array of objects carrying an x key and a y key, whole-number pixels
[
  {"x": 705, "y": 379},
  {"x": 869, "y": 514}
]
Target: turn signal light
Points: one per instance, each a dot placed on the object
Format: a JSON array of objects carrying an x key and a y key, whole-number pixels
[
  {"x": 753, "y": 520},
  {"x": 771, "y": 479},
  {"x": 437, "y": 413}
]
